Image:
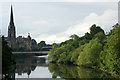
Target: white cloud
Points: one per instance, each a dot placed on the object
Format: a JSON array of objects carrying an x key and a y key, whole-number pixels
[{"x": 106, "y": 21}]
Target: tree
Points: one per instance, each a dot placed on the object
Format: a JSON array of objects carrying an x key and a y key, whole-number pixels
[
  {"x": 100, "y": 35},
  {"x": 8, "y": 62},
  {"x": 75, "y": 54},
  {"x": 87, "y": 36},
  {"x": 75, "y": 42},
  {"x": 95, "y": 29},
  {"x": 41, "y": 45},
  {"x": 90, "y": 54},
  {"x": 110, "y": 56},
  {"x": 74, "y": 37}
]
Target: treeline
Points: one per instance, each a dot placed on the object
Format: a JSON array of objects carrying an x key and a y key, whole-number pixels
[{"x": 95, "y": 49}]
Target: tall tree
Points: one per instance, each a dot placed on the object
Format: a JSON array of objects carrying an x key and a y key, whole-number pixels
[
  {"x": 110, "y": 57},
  {"x": 41, "y": 45},
  {"x": 8, "y": 62},
  {"x": 95, "y": 29}
]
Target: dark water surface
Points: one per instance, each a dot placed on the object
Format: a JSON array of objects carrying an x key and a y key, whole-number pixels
[{"x": 38, "y": 67}]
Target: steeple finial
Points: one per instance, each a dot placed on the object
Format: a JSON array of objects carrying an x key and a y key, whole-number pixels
[
  {"x": 11, "y": 16},
  {"x": 29, "y": 36}
]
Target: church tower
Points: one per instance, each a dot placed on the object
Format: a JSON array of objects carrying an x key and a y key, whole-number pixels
[{"x": 11, "y": 31}]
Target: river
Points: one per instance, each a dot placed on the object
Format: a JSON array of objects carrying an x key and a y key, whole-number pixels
[{"x": 39, "y": 67}]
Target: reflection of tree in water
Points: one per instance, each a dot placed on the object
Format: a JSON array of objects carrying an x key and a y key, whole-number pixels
[
  {"x": 70, "y": 71},
  {"x": 28, "y": 63},
  {"x": 41, "y": 60},
  {"x": 25, "y": 64}
]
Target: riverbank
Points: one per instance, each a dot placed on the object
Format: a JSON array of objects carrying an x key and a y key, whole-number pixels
[
  {"x": 95, "y": 50},
  {"x": 114, "y": 76},
  {"x": 70, "y": 71}
]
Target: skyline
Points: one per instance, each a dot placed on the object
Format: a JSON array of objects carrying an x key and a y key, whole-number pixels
[{"x": 50, "y": 21}]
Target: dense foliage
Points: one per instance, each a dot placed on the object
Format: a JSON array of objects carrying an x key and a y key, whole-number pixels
[
  {"x": 110, "y": 56},
  {"x": 41, "y": 45},
  {"x": 8, "y": 62},
  {"x": 95, "y": 49}
]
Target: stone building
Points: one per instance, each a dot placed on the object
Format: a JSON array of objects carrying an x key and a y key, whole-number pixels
[
  {"x": 25, "y": 44},
  {"x": 11, "y": 31},
  {"x": 20, "y": 43}
]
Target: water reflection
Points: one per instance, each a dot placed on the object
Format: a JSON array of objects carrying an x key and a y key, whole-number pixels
[
  {"x": 36, "y": 67},
  {"x": 70, "y": 71},
  {"x": 25, "y": 65},
  {"x": 28, "y": 66}
]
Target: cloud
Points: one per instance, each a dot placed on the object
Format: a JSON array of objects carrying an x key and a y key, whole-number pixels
[
  {"x": 106, "y": 20},
  {"x": 38, "y": 27}
]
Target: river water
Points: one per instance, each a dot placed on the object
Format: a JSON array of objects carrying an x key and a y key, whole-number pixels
[
  {"x": 38, "y": 67},
  {"x": 32, "y": 67}
]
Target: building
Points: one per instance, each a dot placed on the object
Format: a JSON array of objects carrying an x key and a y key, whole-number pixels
[{"x": 19, "y": 43}]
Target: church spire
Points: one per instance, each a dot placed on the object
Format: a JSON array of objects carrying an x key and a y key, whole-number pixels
[
  {"x": 11, "y": 31},
  {"x": 11, "y": 16}
]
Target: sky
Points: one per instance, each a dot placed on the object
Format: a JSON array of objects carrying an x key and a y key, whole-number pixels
[
  {"x": 56, "y": 21},
  {"x": 59, "y": 0}
]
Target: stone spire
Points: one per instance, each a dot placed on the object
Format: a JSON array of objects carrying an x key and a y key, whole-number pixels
[
  {"x": 11, "y": 16},
  {"x": 11, "y": 31}
]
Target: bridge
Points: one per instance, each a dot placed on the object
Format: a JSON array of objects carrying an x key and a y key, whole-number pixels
[
  {"x": 33, "y": 52},
  {"x": 33, "y": 64}
]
